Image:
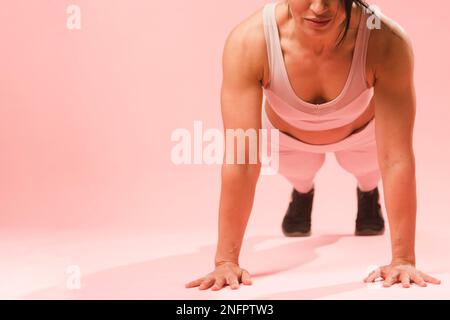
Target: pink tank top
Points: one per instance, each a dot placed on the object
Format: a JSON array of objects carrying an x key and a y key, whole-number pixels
[{"x": 347, "y": 107}]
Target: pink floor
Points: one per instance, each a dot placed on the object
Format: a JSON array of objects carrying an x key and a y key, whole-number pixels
[
  {"x": 131, "y": 266},
  {"x": 154, "y": 262}
]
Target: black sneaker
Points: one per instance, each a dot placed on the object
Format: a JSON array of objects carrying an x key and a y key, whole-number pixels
[
  {"x": 369, "y": 221},
  {"x": 297, "y": 221}
]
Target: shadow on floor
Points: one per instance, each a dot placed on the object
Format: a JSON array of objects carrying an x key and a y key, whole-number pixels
[{"x": 164, "y": 278}]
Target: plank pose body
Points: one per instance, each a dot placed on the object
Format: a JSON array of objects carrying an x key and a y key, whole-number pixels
[{"x": 322, "y": 77}]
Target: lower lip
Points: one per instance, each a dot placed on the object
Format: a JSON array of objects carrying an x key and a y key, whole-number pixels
[{"x": 318, "y": 25}]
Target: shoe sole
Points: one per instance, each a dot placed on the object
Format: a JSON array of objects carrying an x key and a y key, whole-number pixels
[
  {"x": 369, "y": 232},
  {"x": 297, "y": 234}
]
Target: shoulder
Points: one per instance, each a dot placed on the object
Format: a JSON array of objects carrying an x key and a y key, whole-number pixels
[
  {"x": 390, "y": 46},
  {"x": 245, "y": 45}
]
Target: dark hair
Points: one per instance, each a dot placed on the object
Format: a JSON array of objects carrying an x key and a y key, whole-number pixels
[{"x": 348, "y": 14}]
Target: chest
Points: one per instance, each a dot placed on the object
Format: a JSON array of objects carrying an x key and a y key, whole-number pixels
[{"x": 319, "y": 79}]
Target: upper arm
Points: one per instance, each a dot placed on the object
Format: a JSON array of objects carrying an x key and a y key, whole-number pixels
[
  {"x": 241, "y": 92},
  {"x": 395, "y": 100}
]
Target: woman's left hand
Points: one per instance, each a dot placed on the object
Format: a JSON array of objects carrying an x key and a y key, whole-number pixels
[{"x": 403, "y": 273}]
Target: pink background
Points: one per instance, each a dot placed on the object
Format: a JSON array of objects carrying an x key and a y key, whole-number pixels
[{"x": 86, "y": 176}]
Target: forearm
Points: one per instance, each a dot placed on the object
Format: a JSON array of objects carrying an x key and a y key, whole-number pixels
[
  {"x": 399, "y": 185},
  {"x": 236, "y": 202}
]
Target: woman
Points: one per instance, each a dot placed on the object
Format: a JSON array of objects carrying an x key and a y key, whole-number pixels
[{"x": 325, "y": 81}]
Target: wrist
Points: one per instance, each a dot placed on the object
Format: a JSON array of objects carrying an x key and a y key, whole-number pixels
[
  {"x": 221, "y": 259},
  {"x": 411, "y": 260},
  {"x": 219, "y": 263},
  {"x": 223, "y": 256}
]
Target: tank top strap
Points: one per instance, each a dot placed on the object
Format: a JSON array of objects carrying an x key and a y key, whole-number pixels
[
  {"x": 362, "y": 45},
  {"x": 270, "y": 31}
]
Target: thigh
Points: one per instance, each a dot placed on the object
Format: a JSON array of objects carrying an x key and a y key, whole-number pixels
[{"x": 293, "y": 162}]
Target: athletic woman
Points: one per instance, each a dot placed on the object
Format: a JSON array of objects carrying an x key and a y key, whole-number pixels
[{"x": 323, "y": 72}]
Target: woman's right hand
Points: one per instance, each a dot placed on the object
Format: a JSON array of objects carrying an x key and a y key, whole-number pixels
[{"x": 225, "y": 273}]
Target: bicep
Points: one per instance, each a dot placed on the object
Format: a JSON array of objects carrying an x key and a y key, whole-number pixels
[{"x": 241, "y": 92}]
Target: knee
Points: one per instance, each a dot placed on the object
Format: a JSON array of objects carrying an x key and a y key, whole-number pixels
[
  {"x": 316, "y": 162},
  {"x": 358, "y": 164}
]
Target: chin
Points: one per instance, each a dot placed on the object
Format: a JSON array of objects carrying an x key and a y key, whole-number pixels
[{"x": 313, "y": 31}]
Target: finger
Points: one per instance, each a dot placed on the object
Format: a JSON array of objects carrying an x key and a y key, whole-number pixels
[
  {"x": 373, "y": 276},
  {"x": 418, "y": 280},
  {"x": 194, "y": 283},
  {"x": 246, "y": 278},
  {"x": 405, "y": 280},
  {"x": 219, "y": 284},
  {"x": 390, "y": 279},
  {"x": 430, "y": 279},
  {"x": 207, "y": 283},
  {"x": 233, "y": 282}
]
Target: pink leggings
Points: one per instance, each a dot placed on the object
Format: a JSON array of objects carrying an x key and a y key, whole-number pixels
[{"x": 299, "y": 161}]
